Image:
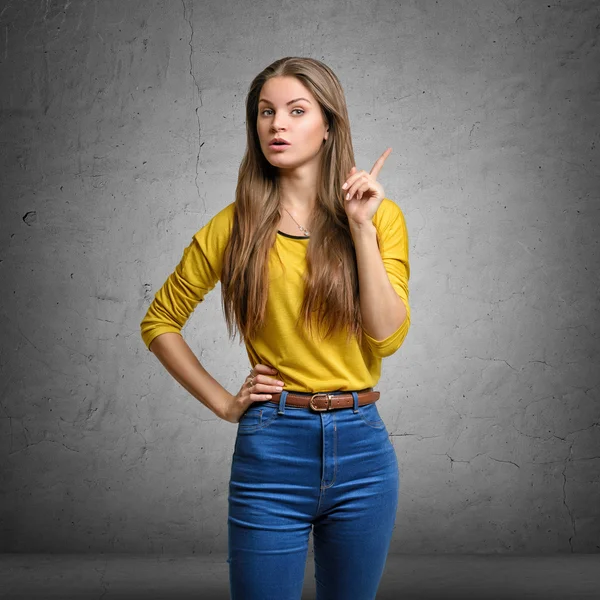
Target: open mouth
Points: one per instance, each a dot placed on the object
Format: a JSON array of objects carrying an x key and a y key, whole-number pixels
[{"x": 279, "y": 147}]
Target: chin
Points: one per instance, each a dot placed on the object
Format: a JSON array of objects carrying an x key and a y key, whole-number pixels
[
  {"x": 283, "y": 164},
  {"x": 290, "y": 163}
]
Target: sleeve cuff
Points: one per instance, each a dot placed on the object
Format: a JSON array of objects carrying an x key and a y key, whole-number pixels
[
  {"x": 389, "y": 345},
  {"x": 154, "y": 333}
]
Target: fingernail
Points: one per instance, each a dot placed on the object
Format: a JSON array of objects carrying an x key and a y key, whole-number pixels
[
  {"x": 278, "y": 388},
  {"x": 344, "y": 186},
  {"x": 347, "y": 195},
  {"x": 280, "y": 383}
]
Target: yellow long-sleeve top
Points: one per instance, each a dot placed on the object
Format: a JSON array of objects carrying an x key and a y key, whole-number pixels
[{"x": 304, "y": 363}]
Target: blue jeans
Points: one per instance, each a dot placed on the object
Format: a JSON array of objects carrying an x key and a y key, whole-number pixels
[{"x": 293, "y": 469}]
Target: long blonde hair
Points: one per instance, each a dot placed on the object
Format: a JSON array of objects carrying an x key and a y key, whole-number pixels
[{"x": 331, "y": 298}]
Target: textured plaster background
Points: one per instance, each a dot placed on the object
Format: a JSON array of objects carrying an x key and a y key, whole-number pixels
[{"x": 121, "y": 132}]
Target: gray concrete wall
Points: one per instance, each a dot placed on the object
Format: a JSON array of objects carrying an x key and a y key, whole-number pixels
[{"x": 121, "y": 131}]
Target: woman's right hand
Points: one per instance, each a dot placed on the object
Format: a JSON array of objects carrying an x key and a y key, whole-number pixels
[{"x": 258, "y": 386}]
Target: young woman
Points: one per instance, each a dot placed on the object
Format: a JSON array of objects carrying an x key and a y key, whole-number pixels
[{"x": 313, "y": 265}]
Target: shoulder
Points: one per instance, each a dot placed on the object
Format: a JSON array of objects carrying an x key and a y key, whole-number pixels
[
  {"x": 224, "y": 217},
  {"x": 389, "y": 218},
  {"x": 219, "y": 226}
]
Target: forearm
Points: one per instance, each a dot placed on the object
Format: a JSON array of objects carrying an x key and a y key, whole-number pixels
[
  {"x": 178, "y": 359},
  {"x": 381, "y": 308}
]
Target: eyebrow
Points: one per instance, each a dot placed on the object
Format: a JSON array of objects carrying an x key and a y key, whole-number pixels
[{"x": 287, "y": 103}]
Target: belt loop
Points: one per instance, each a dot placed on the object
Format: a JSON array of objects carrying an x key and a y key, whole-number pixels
[
  {"x": 281, "y": 410},
  {"x": 355, "y": 407}
]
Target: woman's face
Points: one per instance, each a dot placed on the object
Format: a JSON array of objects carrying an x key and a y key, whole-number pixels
[{"x": 287, "y": 110}]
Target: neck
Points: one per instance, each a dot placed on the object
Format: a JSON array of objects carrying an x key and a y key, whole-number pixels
[{"x": 298, "y": 189}]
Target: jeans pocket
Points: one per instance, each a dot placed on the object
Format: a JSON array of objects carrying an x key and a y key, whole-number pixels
[
  {"x": 258, "y": 416},
  {"x": 370, "y": 415}
]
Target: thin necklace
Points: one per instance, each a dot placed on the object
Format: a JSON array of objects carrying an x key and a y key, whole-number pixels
[{"x": 305, "y": 231}]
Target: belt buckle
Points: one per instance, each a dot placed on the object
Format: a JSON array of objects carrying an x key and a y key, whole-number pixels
[{"x": 316, "y": 408}]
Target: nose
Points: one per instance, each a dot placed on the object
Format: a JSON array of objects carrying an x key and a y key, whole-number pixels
[{"x": 278, "y": 122}]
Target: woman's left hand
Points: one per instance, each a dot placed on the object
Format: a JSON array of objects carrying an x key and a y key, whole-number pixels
[{"x": 363, "y": 194}]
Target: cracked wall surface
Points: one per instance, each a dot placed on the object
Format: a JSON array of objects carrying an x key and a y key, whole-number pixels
[{"x": 121, "y": 133}]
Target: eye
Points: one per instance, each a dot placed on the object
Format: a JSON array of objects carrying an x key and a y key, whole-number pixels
[{"x": 269, "y": 109}]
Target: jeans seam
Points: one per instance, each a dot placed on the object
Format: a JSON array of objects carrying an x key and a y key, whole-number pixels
[
  {"x": 261, "y": 425},
  {"x": 374, "y": 424},
  {"x": 379, "y": 424},
  {"x": 326, "y": 487}
]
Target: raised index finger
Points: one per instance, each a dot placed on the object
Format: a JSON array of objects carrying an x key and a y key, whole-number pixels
[{"x": 379, "y": 163}]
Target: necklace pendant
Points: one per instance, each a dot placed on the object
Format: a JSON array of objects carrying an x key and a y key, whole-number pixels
[{"x": 302, "y": 229}]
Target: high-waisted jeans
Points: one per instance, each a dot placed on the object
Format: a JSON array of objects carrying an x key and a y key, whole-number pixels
[{"x": 293, "y": 469}]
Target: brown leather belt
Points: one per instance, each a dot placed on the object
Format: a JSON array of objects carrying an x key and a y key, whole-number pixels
[{"x": 324, "y": 401}]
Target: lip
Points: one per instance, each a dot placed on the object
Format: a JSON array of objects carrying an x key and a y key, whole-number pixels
[{"x": 272, "y": 143}]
